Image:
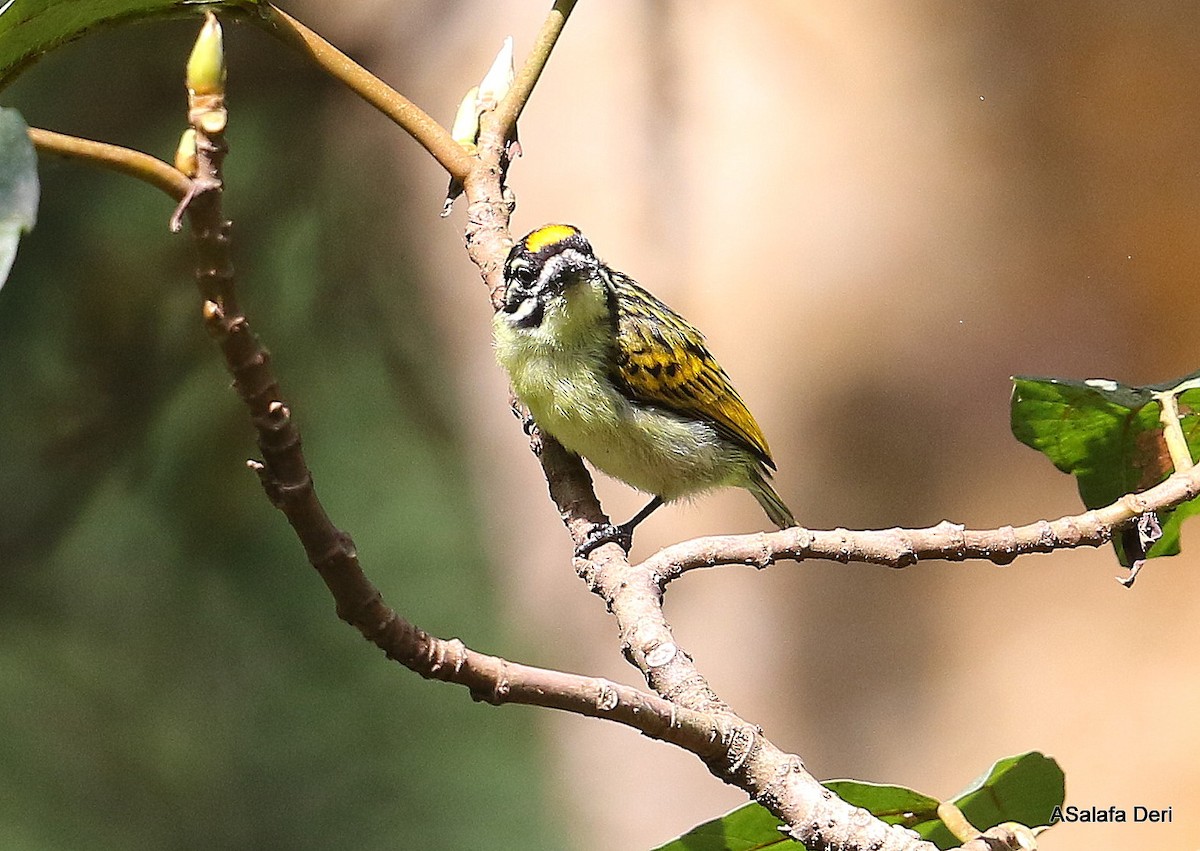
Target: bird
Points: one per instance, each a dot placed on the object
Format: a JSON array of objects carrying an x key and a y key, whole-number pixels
[{"x": 619, "y": 378}]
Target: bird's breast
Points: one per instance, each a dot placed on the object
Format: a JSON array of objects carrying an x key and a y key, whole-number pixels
[{"x": 568, "y": 391}]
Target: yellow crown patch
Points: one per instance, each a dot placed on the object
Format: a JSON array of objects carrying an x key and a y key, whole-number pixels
[{"x": 548, "y": 235}]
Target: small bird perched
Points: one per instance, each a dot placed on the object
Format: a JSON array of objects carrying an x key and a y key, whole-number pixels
[{"x": 616, "y": 376}]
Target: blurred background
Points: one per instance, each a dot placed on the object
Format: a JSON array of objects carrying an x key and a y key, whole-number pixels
[{"x": 877, "y": 212}]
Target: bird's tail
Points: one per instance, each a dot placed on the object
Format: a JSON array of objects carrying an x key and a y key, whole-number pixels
[{"x": 779, "y": 513}]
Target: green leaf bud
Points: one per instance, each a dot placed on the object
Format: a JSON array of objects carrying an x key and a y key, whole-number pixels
[{"x": 206, "y": 65}]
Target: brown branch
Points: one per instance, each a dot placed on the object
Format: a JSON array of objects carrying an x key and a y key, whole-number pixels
[
  {"x": 748, "y": 759},
  {"x": 685, "y": 712},
  {"x": 903, "y": 547},
  {"x": 489, "y": 205},
  {"x": 287, "y": 481},
  {"x": 123, "y": 160},
  {"x": 774, "y": 778},
  {"x": 431, "y": 135},
  {"x": 628, "y": 591}
]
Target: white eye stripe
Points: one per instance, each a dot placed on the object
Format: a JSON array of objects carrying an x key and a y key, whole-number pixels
[
  {"x": 558, "y": 272},
  {"x": 524, "y": 310},
  {"x": 573, "y": 256}
]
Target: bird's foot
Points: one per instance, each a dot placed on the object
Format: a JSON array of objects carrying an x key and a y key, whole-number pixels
[
  {"x": 606, "y": 533},
  {"x": 522, "y": 413}
]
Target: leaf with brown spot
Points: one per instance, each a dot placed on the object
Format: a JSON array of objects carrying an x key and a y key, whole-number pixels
[{"x": 1109, "y": 437}]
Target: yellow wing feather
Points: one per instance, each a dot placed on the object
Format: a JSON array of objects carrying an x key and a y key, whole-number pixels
[{"x": 662, "y": 360}]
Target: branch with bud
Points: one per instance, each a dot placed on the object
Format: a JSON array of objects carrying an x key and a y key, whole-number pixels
[{"x": 681, "y": 707}]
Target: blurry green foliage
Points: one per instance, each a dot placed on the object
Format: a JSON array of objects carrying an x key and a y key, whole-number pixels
[{"x": 171, "y": 672}]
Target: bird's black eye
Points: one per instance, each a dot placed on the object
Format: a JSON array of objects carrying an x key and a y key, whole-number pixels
[
  {"x": 520, "y": 278},
  {"x": 524, "y": 274}
]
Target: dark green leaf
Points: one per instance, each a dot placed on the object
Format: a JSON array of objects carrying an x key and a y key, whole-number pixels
[
  {"x": 1109, "y": 437},
  {"x": 748, "y": 828},
  {"x": 1023, "y": 789},
  {"x": 30, "y": 28},
  {"x": 893, "y": 804},
  {"x": 18, "y": 186}
]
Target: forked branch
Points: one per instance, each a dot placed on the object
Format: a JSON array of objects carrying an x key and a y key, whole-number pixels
[
  {"x": 287, "y": 481},
  {"x": 774, "y": 778},
  {"x": 684, "y": 709}
]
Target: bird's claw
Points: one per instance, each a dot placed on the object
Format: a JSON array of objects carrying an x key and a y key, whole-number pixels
[{"x": 605, "y": 533}]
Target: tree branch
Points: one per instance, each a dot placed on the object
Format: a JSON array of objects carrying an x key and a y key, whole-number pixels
[
  {"x": 774, "y": 778},
  {"x": 489, "y": 206},
  {"x": 746, "y": 759},
  {"x": 431, "y": 135},
  {"x": 903, "y": 547},
  {"x": 287, "y": 481},
  {"x": 686, "y": 711},
  {"x": 123, "y": 160},
  {"x": 510, "y": 108}
]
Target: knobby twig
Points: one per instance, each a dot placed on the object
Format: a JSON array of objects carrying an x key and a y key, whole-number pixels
[
  {"x": 776, "y": 779},
  {"x": 903, "y": 547},
  {"x": 489, "y": 205}
]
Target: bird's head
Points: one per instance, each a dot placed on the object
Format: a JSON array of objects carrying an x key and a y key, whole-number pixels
[{"x": 542, "y": 275}]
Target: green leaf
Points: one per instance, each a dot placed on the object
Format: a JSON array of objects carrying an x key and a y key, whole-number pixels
[
  {"x": 30, "y": 28},
  {"x": 18, "y": 186},
  {"x": 1109, "y": 437},
  {"x": 1024, "y": 789},
  {"x": 748, "y": 828},
  {"x": 893, "y": 804}
]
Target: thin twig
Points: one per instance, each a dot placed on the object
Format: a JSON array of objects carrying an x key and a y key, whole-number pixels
[
  {"x": 510, "y": 108},
  {"x": 431, "y": 135},
  {"x": 124, "y": 160},
  {"x": 903, "y": 547},
  {"x": 1168, "y": 415}
]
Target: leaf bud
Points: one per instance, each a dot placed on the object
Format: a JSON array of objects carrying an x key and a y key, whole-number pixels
[{"x": 206, "y": 65}]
